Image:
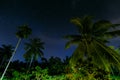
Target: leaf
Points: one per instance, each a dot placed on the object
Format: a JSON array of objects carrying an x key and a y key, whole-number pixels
[
  {"x": 68, "y": 44},
  {"x": 113, "y": 33}
]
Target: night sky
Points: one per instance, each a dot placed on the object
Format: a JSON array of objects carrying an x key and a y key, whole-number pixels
[{"x": 50, "y": 21}]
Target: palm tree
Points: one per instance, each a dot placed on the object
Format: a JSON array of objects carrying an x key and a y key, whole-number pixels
[
  {"x": 5, "y": 53},
  {"x": 33, "y": 50},
  {"x": 91, "y": 42},
  {"x": 23, "y": 32}
]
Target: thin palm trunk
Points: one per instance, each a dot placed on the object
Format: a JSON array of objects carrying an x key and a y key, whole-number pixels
[
  {"x": 11, "y": 58},
  {"x": 31, "y": 61}
]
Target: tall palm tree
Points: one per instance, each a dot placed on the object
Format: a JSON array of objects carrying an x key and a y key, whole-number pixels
[
  {"x": 33, "y": 50},
  {"x": 23, "y": 32},
  {"x": 91, "y": 42},
  {"x": 5, "y": 53}
]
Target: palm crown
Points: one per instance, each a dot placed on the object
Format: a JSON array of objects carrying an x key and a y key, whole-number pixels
[
  {"x": 34, "y": 49},
  {"x": 91, "y": 42},
  {"x": 5, "y": 53},
  {"x": 23, "y": 31}
]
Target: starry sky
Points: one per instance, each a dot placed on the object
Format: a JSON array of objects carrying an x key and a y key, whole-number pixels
[{"x": 50, "y": 21}]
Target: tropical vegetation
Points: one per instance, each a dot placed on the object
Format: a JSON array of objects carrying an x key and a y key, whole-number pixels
[
  {"x": 91, "y": 42},
  {"x": 92, "y": 59}
]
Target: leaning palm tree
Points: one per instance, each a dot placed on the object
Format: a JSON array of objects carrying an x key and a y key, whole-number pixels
[
  {"x": 23, "y": 32},
  {"x": 5, "y": 53},
  {"x": 91, "y": 42},
  {"x": 33, "y": 50}
]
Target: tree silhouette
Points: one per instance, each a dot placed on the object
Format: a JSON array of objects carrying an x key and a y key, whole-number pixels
[
  {"x": 5, "y": 53},
  {"x": 23, "y": 32},
  {"x": 91, "y": 42},
  {"x": 56, "y": 66},
  {"x": 33, "y": 50}
]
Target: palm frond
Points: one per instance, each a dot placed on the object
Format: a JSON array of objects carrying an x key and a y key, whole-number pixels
[
  {"x": 41, "y": 53},
  {"x": 101, "y": 26},
  {"x": 115, "y": 25},
  {"x": 69, "y": 43},
  {"x": 87, "y": 23},
  {"x": 112, "y": 56},
  {"x": 99, "y": 57},
  {"x": 76, "y": 21},
  {"x": 78, "y": 54},
  {"x": 112, "y": 33},
  {"x": 72, "y": 37}
]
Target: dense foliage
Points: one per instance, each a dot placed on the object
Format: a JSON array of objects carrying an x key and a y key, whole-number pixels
[{"x": 54, "y": 69}]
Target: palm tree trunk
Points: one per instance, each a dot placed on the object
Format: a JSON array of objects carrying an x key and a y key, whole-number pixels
[
  {"x": 31, "y": 61},
  {"x": 11, "y": 58}
]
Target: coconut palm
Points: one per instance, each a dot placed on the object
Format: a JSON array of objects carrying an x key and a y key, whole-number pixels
[
  {"x": 23, "y": 32},
  {"x": 5, "y": 53},
  {"x": 91, "y": 42},
  {"x": 33, "y": 50}
]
